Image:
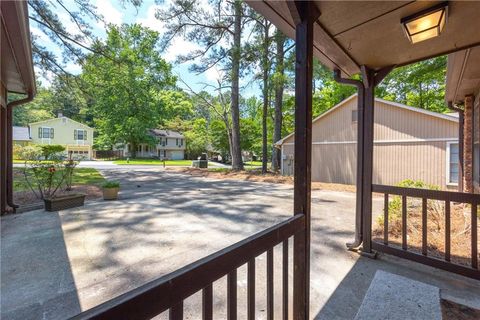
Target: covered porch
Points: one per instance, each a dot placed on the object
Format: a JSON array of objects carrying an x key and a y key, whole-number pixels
[
  {"x": 350, "y": 38},
  {"x": 369, "y": 39}
]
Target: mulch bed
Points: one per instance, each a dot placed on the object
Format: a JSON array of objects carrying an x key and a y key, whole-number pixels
[
  {"x": 257, "y": 176},
  {"x": 455, "y": 311},
  {"x": 24, "y": 198},
  {"x": 460, "y": 238}
]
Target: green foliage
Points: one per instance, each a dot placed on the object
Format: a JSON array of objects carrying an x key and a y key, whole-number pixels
[
  {"x": 45, "y": 178},
  {"x": 28, "y": 152},
  {"x": 128, "y": 89},
  {"x": 80, "y": 176},
  {"x": 37, "y": 110},
  {"x": 110, "y": 184},
  {"x": 395, "y": 204},
  {"x": 196, "y": 139},
  {"x": 219, "y": 138},
  {"x": 52, "y": 151},
  {"x": 420, "y": 85}
]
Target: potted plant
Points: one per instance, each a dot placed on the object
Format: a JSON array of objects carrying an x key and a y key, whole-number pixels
[
  {"x": 47, "y": 173},
  {"x": 110, "y": 190}
]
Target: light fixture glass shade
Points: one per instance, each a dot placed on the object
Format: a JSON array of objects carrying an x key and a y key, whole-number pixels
[{"x": 426, "y": 24}]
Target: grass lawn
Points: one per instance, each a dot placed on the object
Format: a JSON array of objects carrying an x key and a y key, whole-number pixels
[
  {"x": 85, "y": 176},
  {"x": 29, "y": 161},
  {"x": 255, "y": 163},
  {"x": 154, "y": 162}
]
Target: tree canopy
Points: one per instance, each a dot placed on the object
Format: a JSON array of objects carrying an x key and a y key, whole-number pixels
[{"x": 131, "y": 90}]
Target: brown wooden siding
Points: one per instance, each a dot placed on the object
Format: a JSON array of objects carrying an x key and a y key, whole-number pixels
[{"x": 399, "y": 152}]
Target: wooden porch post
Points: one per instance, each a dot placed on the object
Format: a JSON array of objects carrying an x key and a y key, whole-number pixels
[
  {"x": 370, "y": 80},
  {"x": 305, "y": 14},
  {"x": 366, "y": 157}
]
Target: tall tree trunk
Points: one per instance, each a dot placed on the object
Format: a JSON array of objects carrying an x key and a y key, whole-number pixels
[
  {"x": 279, "y": 86},
  {"x": 237, "y": 162},
  {"x": 265, "y": 66}
]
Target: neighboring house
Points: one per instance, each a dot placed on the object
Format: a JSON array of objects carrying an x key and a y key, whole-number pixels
[
  {"x": 21, "y": 136},
  {"x": 76, "y": 137},
  {"x": 409, "y": 143},
  {"x": 168, "y": 145}
]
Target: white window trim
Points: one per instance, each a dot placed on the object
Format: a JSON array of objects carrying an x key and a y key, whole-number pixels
[
  {"x": 49, "y": 139},
  {"x": 447, "y": 164},
  {"x": 83, "y": 141}
]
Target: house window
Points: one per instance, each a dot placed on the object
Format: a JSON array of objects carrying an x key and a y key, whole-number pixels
[
  {"x": 176, "y": 142},
  {"x": 45, "y": 133},
  {"x": 79, "y": 134},
  {"x": 452, "y": 163},
  {"x": 354, "y": 116}
]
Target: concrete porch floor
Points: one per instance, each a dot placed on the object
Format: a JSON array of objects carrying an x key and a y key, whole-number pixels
[{"x": 54, "y": 265}]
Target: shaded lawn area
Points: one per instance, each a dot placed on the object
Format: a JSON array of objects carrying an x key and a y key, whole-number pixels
[
  {"x": 256, "y": 163},
  {"x": 81, "y": 176},
  {"x": 154, "y": 162}
]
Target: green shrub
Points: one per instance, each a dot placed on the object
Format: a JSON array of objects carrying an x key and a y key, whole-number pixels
[
  {"x": 28, "y": 153},
  {"x": 52, "y": 151},
  {"x": 111, "y": 184},
  {"x": 395, "y": 204}
]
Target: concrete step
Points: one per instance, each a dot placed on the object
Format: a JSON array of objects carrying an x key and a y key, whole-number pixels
[{"x": 393, "y": 297}]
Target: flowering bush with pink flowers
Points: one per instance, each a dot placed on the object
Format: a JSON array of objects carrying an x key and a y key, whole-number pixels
[{"x": 47, "y": 174}]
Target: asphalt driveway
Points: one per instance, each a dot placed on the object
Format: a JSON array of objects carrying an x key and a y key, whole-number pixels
[{"x": 54, "y": 265}]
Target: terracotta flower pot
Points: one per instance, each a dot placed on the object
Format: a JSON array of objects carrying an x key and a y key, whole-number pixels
[
  {"x": 110, "y": 193},
  {"x": 64, "y": 202}
]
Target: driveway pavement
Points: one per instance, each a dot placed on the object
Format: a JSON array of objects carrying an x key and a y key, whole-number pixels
[{"x": 55, "y": 265}]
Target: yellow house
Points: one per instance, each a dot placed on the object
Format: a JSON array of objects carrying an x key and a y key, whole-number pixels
[{"x": 75, "y": 136}]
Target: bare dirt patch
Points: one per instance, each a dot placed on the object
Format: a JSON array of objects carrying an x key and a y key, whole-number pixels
[{"x": 257, "y": 176}]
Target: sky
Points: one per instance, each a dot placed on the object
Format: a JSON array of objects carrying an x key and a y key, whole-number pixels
[{"x": 116, "y": 13}]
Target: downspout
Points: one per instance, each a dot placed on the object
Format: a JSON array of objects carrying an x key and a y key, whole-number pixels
[
  {"x": 359, "y": 196},
  {"x": 461, "y": 120},
  {"x": 9, "y": 141}
]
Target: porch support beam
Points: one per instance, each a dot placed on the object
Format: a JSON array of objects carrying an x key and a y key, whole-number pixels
[
  {"x": 368, "y": 76},
  {"x": 305, "y": 14},
  {"x": 365, "y": 131},
  {"x": 371, "y": 79}
]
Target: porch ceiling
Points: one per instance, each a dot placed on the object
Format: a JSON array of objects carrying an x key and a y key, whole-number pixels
[
  {"x": 349, "y": 34},
  {"x": 16, "y": 64},
  {"x": 463, "y": 74}
]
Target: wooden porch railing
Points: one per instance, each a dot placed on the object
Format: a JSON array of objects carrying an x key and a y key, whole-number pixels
[
  {"x": 169, "y": 292},
  {"x": 404, "y": 252}
]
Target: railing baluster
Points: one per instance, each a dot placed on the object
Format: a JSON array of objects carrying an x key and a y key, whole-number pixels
[
  {"x": 207, "y": 302},
  {"x": 404, "y": 222},
  {"x": 385, "y": 219},
  {"x": 447, "y": 230},
  {"x": 176, "y": 312},
  {"x": 474, "y": 236},
  {"x": 251, "y": 289},
  {"x": 424, "y": 226},
  {"x": 270, "y": 284},
  {"x": 232, "y": 295},
  {"x": 285, "y": 280}
]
